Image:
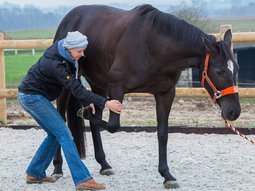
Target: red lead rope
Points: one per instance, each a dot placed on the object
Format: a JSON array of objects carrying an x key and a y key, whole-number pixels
[{"x": 238, "y": 133}]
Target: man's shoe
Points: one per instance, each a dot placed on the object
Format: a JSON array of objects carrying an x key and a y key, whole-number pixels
[
  {"x": 90, "y": 184},
  {"x": 34, "y": 180}
]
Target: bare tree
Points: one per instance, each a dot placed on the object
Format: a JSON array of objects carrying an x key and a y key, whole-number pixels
[{"x": 192, "y": 13}]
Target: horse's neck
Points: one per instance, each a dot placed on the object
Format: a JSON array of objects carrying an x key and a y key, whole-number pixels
[{"x": 192, "y": 62}]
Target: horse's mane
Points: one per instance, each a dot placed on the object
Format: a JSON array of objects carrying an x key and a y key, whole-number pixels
[{"x": 178, "y": 29}]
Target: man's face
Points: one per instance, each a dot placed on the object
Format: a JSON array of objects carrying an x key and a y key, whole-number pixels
[{"x": 76, "y": 54}]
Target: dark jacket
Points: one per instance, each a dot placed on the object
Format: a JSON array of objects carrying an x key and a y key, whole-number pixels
[{"x": 51, "y": 74}]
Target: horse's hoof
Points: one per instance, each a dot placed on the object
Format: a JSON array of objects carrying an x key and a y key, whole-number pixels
[
  {"x": 107, "y": 172},
  {"x": 57, "y": 176},
  {"x": 170, "y": 184}
]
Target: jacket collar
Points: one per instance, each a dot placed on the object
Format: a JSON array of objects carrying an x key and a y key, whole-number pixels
[
  {"x": 54, "y": 53},
  {"x": 64, "y": 52}
]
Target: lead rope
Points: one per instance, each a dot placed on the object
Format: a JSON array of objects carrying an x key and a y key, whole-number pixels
[
  {"x": 237, "y": 132},
  {"x": 228, "y": 125}
]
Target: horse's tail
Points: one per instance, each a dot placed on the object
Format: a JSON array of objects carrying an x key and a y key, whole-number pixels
[{"x": 76, "y": 125}]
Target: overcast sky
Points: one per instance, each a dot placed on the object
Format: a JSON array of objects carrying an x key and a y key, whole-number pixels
[{"x": 52, "y": 3}]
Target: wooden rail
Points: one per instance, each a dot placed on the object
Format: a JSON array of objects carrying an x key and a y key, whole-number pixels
[
  {"x": 243, "y": 37},
  {"x": 180, "y": 92},
  {"x": 25, "y": 44}
]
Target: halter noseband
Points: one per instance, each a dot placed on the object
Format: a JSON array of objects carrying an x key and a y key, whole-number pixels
[{"x": 217, "y": 93}]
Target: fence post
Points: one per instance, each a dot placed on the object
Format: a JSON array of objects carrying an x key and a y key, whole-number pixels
[
  {"x": 223, "y": 29},
  {"x": 3, "y": 117}
]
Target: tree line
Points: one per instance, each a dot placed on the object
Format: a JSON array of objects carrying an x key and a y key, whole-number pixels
[{"x": 16, "y": 18}]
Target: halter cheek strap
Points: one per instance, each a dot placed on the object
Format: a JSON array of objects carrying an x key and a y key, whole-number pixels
[{"x": 217, "y": 93}]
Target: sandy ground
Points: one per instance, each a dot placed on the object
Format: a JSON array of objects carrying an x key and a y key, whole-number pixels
[
  {"x": 141, "y": 112},
  {"x": 199, "y": 162}
]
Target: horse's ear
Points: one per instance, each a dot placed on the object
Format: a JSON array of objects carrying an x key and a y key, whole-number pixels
[
  {"x": 208, "y": 44},
  {"x": 228, "y": 37}
]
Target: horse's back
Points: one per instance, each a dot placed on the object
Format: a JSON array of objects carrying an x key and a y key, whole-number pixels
[{"x": 103, "y": 18}]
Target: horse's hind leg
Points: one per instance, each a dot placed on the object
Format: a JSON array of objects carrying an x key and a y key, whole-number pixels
[
  {"x": 62, "y": 102},
  {"x": 163, "y": 106},
  {"x": 76, "y": 125}
]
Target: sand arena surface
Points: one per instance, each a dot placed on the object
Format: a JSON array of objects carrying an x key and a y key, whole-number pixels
[
  {"x": 141, "y": 112},
  {"x": 199, "y": 162}
]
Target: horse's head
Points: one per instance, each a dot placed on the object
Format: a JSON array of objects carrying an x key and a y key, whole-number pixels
[{"x": 219, "y": 76}]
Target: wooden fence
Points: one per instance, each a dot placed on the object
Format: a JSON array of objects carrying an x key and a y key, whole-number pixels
[{"x": 243, "y": 37}]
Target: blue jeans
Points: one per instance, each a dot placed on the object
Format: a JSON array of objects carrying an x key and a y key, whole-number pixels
[{"x": 46, "y": 115}]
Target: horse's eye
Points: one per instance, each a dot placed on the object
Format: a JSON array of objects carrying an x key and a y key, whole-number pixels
[{"x": 219, "y": 71}]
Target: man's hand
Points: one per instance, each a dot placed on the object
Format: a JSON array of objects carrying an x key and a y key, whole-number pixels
[{"x": 114, "y": 105}]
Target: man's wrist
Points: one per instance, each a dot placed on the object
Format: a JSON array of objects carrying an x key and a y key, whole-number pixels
[{"x": 106, "y": 104}]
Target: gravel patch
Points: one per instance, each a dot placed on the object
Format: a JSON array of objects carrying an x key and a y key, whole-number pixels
[{"x": 199, "y": 162}]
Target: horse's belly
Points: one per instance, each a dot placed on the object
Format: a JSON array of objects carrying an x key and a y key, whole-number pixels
[{"x": 153, "y": 88}]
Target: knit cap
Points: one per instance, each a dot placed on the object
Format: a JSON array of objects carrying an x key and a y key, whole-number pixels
[{"x": 75, "y": 40}]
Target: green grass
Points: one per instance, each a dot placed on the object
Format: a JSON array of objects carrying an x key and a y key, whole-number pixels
[
  {"x": 238, "y": 25},
  {"x": 247, "y": 100},
  {"x": 32, "y": 34},
  {"x": 16, "y": 68}
]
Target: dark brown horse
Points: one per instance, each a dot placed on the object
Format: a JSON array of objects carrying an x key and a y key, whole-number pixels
[{"x": 145, "y": 50}]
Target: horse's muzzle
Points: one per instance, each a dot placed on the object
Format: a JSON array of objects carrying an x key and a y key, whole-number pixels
[
  {"x": 230, "y": 110},
  {"x": 231, "y": 115}
]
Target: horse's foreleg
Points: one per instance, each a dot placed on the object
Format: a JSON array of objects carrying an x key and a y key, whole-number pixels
[
  {"x": 163, "y": 106},
  {"x": 115, "y": 91},
  {"x": 106, "y": 169}
]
